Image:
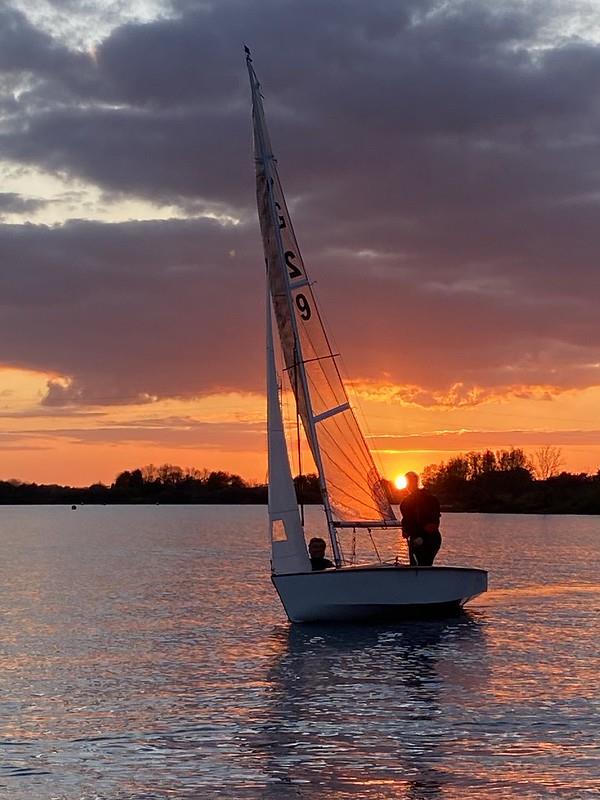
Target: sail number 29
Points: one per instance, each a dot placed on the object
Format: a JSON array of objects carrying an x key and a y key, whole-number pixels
[{"x": 302, "y": 303}]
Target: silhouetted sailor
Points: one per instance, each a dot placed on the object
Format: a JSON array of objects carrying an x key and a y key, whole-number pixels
[
  {"x": 316, "y": 551},
  {"x": 420, "y": 522}
]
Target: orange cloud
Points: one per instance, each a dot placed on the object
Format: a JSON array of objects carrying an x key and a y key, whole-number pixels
[{"x": 457, "y": 395}]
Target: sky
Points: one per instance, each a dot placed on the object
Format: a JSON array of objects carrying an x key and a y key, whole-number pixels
[{"x": 440, "y": 160}]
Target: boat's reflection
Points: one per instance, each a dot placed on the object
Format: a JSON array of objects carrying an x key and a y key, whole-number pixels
[{"x": 357, "y": 710}]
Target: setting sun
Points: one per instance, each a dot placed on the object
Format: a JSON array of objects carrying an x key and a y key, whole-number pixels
[{"x": 400, "y": 482}]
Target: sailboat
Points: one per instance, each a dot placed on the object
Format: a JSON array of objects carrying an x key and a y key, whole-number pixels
[{"x": 353, "y": 495}]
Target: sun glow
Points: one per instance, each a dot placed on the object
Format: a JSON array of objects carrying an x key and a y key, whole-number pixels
[{"x": 400, "y": 482}]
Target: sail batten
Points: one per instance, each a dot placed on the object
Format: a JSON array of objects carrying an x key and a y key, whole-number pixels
[
  {"x": 350, "y": 483},
  {"x": 331, "y": 412}
]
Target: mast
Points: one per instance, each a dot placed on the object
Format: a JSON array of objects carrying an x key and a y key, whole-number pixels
[
  {"x": 351, "y": 487},
  {"x": 266, "y": 158}
]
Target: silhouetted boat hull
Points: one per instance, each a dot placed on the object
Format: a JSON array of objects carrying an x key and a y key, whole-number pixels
[{"x": 361, "y": 593}]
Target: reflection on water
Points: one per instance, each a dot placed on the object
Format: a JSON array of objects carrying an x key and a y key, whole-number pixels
[
  {"x": 355, "y": 709},
  {"x": 145, "y": 656}
]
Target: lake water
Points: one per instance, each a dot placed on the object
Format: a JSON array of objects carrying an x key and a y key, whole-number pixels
[{"x": 144, "y": 654}]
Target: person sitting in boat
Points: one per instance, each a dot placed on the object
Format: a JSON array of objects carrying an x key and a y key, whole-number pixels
[
  {"x": 316, "y": 551},
  {"x": 420, "y": 522}
]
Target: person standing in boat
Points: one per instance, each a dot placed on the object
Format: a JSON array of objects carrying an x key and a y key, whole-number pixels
[{"x": 420, "y": 523}]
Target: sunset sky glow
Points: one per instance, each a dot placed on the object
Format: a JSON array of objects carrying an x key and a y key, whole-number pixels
[{"x": 440, "y": 161}]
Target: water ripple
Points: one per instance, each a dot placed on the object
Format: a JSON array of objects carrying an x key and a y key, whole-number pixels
[{"x": 145, "y": 656}]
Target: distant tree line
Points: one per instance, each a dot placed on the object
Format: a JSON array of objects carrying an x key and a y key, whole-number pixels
[
  {"x": 167, "y": 483},
  {"x": 487, "y": 481},
  {"x": 512, "y": 481}
]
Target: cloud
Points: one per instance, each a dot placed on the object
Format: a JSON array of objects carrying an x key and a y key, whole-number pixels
[
  {"x": 11, "y": 202},
  {"x": 26, "y": 50},
  {"x": 456, "y": 396},
  {"x": 130, "y": 311},
  {"x": 82, "y": 23},
  {"x": 184, "y": 435},
  {"x": 466, "y": 440},
  {"x": 440, "y": 162}
]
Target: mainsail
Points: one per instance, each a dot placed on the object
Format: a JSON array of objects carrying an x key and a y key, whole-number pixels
[{"x": 350, "y": 483}]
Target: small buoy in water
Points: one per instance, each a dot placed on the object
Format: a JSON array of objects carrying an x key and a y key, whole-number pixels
[{"x": 73, "y": 508}]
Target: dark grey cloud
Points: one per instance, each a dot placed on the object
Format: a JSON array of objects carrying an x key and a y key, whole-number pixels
[
  {"x": 437, "y": 136},
  {"x": 130, "y": 310},
  {"x": 27, "y": 50},
  {"x": 13, "y": 203},
  {"x": 164, "y": 157}
]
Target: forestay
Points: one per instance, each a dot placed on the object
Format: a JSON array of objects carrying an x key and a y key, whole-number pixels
[{"x": 349, "y": 478}]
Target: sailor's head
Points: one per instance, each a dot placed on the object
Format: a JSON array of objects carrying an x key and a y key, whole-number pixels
[
  {"x": 316, "y": 547},
  {"x": 412, "y": 481}
]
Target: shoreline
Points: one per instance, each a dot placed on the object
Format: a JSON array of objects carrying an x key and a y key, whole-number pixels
[{"x": 139, "y": 503}]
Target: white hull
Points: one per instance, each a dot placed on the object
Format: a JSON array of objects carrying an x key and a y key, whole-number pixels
[{"x": 377, "y": 592}]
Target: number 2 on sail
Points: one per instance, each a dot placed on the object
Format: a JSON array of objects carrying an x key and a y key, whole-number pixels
[{"x": 294, "y": 272}]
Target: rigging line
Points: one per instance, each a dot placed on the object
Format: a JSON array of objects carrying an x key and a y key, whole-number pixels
[
  {"x": 340, "y": 379},
  {"x": 345, "y": 467},
  {"x": 306, "y": 399},
  {"x": 366, "y": 465},
  {"x": 342, "y": 441},
  {"x": 350, "y": 506},
  {"x": 269, "y": 169},
  {"x": 374, "y": 545},
  {"x": 300, "y": 492},
  {"x": 354, "y": 431},
  {"x": 352, "y": 496},
  {"x": 356, "y": 499},
  {"x": 317, "y": 358},
  {"x": 364, "y": 503},
  {"x": 363, "y": 450},
  {"x": 354, "y": 483},
  {"x": 351, "y": 430},
  {"x": 346, "y": 434},
  {"x": 356, "y": 434},
  {"x": 350, "y": 491},
  {"x": 376, "y": 458},
  {"x": 315, "y": 349},
  {"x": 293, "y": 232},
  {"x": 322, "y": 327},
  {"x": 372, "y": 463},
  {"x": 288, "y": 424},
  {"x": 368, "y": 502}
]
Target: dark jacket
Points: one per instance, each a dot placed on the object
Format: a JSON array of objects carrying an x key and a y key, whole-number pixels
[
  {"x": 321, "y": 563},
  {"x": 418, "y": 510}
]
